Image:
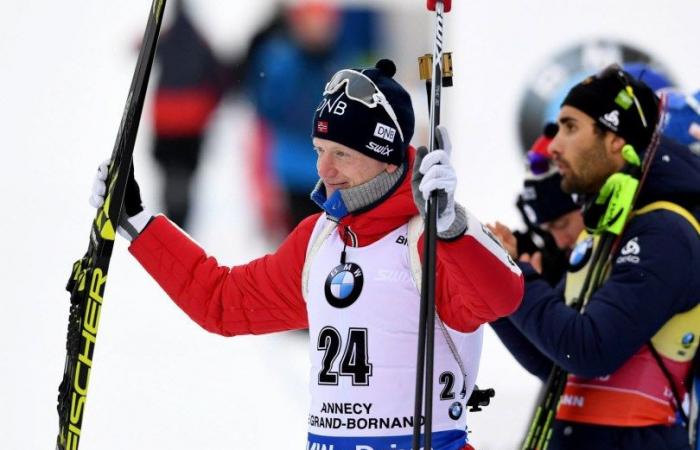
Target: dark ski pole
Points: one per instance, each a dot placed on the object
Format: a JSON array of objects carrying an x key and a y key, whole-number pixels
[
  {"x": 89, "y": 274},
  {"x": 426, "y": 321}
]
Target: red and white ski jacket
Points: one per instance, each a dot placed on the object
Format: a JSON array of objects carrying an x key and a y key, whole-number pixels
[{"x": 475, "y": 282}]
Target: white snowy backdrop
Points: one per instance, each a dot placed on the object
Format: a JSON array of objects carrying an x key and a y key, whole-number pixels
[{"x": 160, "y": 382}]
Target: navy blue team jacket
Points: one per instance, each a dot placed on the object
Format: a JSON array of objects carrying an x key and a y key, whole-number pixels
[{"x": 627, "y": 310}]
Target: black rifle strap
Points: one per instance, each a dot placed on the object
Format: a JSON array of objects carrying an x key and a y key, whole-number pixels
[{"x": 669, "y": 377}]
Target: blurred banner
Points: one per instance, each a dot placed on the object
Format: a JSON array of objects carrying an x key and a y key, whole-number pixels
[{"x": 554, "y": 77}]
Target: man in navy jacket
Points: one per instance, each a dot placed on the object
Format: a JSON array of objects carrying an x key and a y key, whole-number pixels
[{"x": 634, "y": 344}]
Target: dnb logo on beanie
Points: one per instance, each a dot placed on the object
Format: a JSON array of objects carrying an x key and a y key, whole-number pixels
[
  {"x": 344, "y": 285},
  {"x": 385, "y": 132},
  {"x": 368, "y": 111}
]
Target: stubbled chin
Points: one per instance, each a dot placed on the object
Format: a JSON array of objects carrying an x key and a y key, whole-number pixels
[
  {"x": 329, "y": 190},
  {"x": 566, "y": 185}
]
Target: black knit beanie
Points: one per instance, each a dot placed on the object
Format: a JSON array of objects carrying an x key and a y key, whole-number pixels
[
  {"x": 370, "y": 131},
  {"x": 543, "y": 199},
  {"x": 606, "y": 97}
]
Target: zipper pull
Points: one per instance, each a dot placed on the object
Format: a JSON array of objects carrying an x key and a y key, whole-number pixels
[{"x": 345, "y": 244}]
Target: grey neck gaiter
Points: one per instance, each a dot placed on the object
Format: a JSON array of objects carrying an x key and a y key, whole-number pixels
[{"x": 359, "y": 197}]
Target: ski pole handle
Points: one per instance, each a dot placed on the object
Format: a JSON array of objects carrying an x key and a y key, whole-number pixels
[{"x": 446, "y": 3}]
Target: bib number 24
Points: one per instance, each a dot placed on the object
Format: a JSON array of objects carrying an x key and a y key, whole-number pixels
[{"x": 354, "y": 362}]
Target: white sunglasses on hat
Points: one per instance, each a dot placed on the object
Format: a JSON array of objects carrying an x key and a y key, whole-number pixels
[{"x": 360, "y": 88}]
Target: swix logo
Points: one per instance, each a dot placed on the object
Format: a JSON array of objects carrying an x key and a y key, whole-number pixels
[
  {"x": 630, "y": 252},
  {"x": 383, "y": 150},
  {"x": 573, "y": 400},
  {"x": 322, "y": 126},
  {"x": 612, "y": 119},
  {"x": 336, "y": 106},
  {"x": 384, "y": 132}
]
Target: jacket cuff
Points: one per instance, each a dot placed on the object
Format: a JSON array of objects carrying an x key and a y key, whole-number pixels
[
  {"x": 529, "y": 272},
  {"x": 458, "y": 227},
  {"x": 130, "y": 227}
]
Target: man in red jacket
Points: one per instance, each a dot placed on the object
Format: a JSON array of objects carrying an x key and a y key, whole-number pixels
[{"x": 350, "y": 274}]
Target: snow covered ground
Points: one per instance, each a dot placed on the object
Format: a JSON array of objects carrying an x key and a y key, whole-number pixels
[{"x": 160, "y": 382}]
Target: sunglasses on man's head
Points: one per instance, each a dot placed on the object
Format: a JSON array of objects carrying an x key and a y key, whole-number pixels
[{"x": 361, "y": 88}]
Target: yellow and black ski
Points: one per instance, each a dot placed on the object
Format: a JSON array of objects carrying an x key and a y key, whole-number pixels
[{"x": 89, "y": 275}]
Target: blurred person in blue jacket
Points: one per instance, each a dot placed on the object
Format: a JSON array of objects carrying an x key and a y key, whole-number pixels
[
  {"x": 682, "y": 119},
  {"x": 314, "y": 40}
]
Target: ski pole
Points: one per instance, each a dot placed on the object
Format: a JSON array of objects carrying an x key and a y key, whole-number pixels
[{"x": 426, "y": 321}]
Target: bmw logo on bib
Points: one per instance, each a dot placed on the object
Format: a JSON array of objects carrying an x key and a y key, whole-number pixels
[
  {"x": 687, "y": 340},
  {"x": 455, "y": 411},
  {"x": 343, "y": 285},
  {"x": 580, "y": 254}
]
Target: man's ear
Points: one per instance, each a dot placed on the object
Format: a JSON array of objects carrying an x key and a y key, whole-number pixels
[
  {"x": 391, "y": 168},
  {"x": 615, "y": 144}
]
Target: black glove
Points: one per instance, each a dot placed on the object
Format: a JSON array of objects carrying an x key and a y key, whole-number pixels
[
  {"x": 134, "y": 217},
  {"x": 132, "y": 196}
]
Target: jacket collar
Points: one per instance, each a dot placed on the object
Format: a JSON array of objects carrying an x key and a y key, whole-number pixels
[{"x": 374, "y": 208}]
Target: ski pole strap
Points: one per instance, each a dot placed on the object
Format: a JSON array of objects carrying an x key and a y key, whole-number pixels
[
  {"x": 415, "y": 229},
  {"x": 671, "y": 383}
]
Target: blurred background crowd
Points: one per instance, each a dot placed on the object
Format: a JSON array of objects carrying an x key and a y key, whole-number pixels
[{"x": 225, "y": 140}]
